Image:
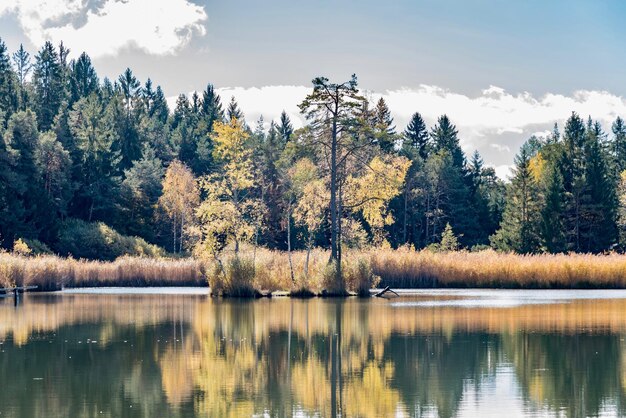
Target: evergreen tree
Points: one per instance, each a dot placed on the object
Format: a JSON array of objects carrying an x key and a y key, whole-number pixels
[
  {"x": 107, "y": 91},
  {"x": 572, "y": 169},
  {"x": 445, "y": 137},
  {"x": 54, "y": 165},
  {"x": 21, "y": 60},
  {"x": 49, "y": 89},
  {"x": 140, "y": 191},
  {"x": 22, "y": 141},
  {"x": 83, "y": 78},
  {"x": 153, "y": 103},
  {"x": 618, "y": 146},
  {"x": 233, "y": 110},
  {"x": 520, "y": 221},
  {"x": 11, "y": 208},
  {"x": 182, "y": 111},
  {"x": 159, "y": 108},
  {"x": 449, "y": 241},
  {"x": 129, "y": 146},
  {"x": 211, "y": 107},
  {"x": 598, "y": 229},
  {"x": 93, "y": 129},
  {"x": 384, "y": 130},
  {"x": 195, "y": 103},
  {"x": 192, "y": 135},
  {"x": 152, "y": 128},
  {"x": 552, "y": 225},
  {"x": 270, "y": 184},
  {"x": 409, "y": 207},
  {"x": 285, "y": 128},
  {"x": 446, "y": 199},
  {"x": 555, "y": 135},
  {"x": 621, "y": 209},
  {"x": 157, "y": 135},
  {"x": 479, "y": 200},
  {"x": 8, "y": 83},
  {"x": 416, "y": 138}
]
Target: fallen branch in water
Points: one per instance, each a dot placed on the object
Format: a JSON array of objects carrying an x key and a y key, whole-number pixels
[{"x": 383, "y": 292}]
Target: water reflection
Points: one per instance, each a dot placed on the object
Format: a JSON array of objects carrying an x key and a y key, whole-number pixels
[{"x": 164, "y": 355}]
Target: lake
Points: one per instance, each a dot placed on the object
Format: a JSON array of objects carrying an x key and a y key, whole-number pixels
[{"x": 448, "y": 353}]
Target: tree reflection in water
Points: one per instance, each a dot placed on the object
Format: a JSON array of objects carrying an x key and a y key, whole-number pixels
[{"x": 145, "y": 356}]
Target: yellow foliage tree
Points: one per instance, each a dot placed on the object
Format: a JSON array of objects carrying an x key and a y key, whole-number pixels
[
  {"x": 180, "y": 197},
  {"x": 311, "y": 196},
  {"x": 371, "y": 192},
  {"x": 537, "y": 166},
  {"x": 227, "y": 214}
]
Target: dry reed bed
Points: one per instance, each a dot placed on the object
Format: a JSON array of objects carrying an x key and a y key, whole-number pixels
[
  {"x": 488, "y": 269},
  {"x": 401, "y": 268},
  {"x": 53, "y": 273}
]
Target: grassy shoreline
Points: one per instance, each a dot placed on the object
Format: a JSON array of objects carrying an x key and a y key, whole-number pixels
[{"x": 265, "y": 271}]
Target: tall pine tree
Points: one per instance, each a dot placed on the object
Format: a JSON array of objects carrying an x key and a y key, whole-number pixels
[
  {"x": 9, "y": 100},
  {"x": 519, "y": 230},
  {"x": 48, "y": 78},
  {"x": 416, "y": 137}
]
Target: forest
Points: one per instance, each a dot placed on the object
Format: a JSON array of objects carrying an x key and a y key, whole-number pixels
[{"x": 97, "y": 168}]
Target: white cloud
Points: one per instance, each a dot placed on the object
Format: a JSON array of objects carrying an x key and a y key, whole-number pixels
[
  {"x": 156, "y": 27},
  {"x": 501, "y": 147},
  {"x": 495, "y": 122},
  {"x": 503, "y": 171}
]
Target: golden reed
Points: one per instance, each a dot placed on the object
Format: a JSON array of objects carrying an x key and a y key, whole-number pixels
[{"x": 402, "y": 268}]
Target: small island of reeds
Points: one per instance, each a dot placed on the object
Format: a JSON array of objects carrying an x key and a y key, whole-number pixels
[{"x": 268, "y": 271}]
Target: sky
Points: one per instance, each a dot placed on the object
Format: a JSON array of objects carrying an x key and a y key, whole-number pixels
[{"x": 502, "y": 70}]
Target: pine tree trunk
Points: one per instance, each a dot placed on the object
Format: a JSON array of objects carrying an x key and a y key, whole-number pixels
[
  {"x": 340, "y": 284},
  {"x": 333, "y": 193}
]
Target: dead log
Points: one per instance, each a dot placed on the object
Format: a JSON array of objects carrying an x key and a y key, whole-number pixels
[{"x": 384, "y": 292}]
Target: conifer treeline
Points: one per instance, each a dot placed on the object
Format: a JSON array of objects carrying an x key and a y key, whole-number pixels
[{"x": 76, "y": 149}]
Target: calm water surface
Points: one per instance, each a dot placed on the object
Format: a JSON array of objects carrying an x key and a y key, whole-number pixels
[{"x": 178, "y": 353}]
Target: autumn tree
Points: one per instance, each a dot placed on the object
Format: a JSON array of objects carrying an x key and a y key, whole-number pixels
[
  {"x": 179, "y": 199},
  {"x": 228, "y": 214},
  {"x": 307, "y": 196},
  {"x": 369, "y": 194}
]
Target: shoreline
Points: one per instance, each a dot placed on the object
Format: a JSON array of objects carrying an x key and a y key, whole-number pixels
[{"x": 271, "y": 275}]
